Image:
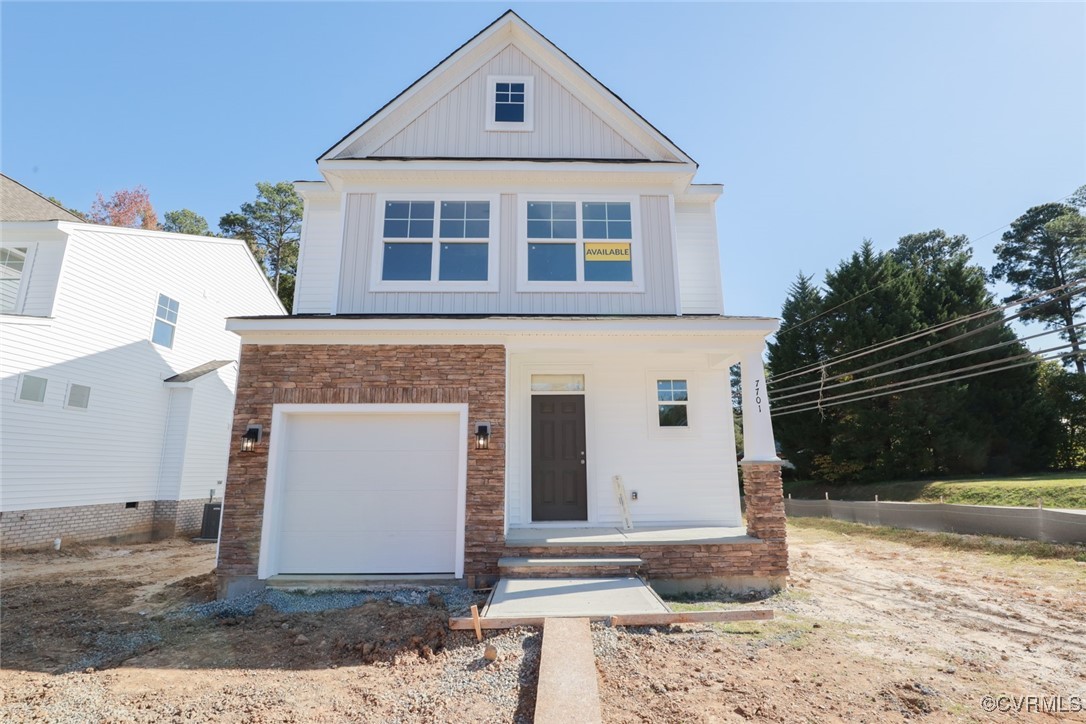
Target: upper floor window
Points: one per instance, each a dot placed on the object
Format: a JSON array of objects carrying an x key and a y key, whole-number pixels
[
  {"x": 12, "y": 265},
  {"x": 580, "y": 245},
  {"x": 165, "y": 321},
  {"x": 429, "y": 242},
  {"x": 510, "y": 103}
]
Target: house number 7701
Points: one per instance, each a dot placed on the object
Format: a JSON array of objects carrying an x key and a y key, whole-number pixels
[{"x": 758, "y": 394}]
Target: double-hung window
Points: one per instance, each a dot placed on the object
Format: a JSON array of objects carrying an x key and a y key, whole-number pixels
[
  {"x": 13, "y": 262},
  {"x": 510, "y": 103},
  {"x": 165, "y": 321},
  {"x": 580, "y": 245},
  {"x": 436, "y": 244}
]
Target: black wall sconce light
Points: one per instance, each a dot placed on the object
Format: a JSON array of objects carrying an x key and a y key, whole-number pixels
[
  {"x": 482, "y": 436},
  {"x": 253, "y": 435}
]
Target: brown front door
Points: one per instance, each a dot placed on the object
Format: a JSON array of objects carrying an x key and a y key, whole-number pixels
[{"x": 559, "y": 476}]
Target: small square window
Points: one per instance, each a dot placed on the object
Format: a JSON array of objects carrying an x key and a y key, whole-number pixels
[
  {"x": 672, "y": 398},
  {"x": 32, "y": 389},
  {"x": 78, "y": 396},
  {"x": 509, "y": 102}
]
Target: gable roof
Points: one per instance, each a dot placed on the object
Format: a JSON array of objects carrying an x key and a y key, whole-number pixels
[
  {"x": 18, "y": 203},
  {"x": 507, "y": 30}
]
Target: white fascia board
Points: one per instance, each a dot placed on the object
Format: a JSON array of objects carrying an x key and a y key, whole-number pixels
[
  {"x": 33, "y": 231},
  {"x": 700, "y": 194},
  {"x": 287, "y": 330},
  {"x": 314, "y": 189},
  {"x": 338, "y": 166}
]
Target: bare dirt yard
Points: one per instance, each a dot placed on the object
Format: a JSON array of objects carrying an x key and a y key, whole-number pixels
[{"x": 870, "y": 630}]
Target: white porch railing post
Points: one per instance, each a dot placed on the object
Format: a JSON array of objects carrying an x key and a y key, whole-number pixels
[{"x": 758, "y": 443}]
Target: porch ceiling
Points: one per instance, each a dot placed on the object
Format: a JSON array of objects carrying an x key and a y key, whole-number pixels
[{"x": 617, "y": 537}]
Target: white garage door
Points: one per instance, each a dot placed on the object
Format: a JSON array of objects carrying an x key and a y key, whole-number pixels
[{"x": 369, "y": 493}]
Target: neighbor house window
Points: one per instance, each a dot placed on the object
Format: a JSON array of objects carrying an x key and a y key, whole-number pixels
[
  {"x": 436, "y": 240},
  {"x": 672, "y": 398},
  {"x": 32, "y": 389},
  {"x": 580, "y": 241},
  {"x": 510, "y": 104},
  {"x": 165, "y": 321},
  {"x": 78, "y": 396},
  {"x": 12, "y": 263}
]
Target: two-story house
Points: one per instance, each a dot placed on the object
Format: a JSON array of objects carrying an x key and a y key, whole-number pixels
[
  {"x": 508, "y": 340},
  {"x": 117, "y": 373}
]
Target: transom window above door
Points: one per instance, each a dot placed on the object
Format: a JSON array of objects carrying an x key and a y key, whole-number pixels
[
  {"x": 436, "y": 244},
  {"x": 580, "y": 245}
]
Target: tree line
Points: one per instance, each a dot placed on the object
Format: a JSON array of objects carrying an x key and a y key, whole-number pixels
[
  {"x": 896, "y": 367},
  {"x": 270, "y": 224}
]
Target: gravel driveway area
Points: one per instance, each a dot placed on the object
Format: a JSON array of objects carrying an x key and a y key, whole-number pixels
[{"x": 869, "y": 630}]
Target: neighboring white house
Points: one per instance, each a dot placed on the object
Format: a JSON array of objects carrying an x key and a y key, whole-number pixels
[
  {"x": 508, "y": 338},
  {"x": 117, "y": 375}
]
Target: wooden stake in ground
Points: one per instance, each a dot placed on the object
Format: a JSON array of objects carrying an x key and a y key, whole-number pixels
[{"x": 475, "y": 622}]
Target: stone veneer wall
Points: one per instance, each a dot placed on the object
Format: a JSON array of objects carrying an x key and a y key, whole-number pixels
[
  {"x": 106, "y": 522},
  {"x": 271, "y": 374}
]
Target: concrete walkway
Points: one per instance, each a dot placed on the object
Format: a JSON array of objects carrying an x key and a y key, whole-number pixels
[
  {"x": 568, "y": 691},
  {"x": 572, "y": 597}
]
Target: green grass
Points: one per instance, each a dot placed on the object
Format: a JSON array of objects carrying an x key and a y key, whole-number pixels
[
  {"x": 1059, "y": 490},
  {"x": 952, "y": 541}
]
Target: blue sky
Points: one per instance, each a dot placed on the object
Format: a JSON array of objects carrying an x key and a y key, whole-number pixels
[{"x": 826, "y": 123}]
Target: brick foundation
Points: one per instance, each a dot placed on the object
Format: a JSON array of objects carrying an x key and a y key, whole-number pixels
[
  {"x": 271, "y": 374},
  {"x": 104, "y": 523}
]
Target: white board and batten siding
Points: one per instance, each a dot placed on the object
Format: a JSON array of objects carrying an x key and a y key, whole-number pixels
[
  {"x": 699, "y": 258},
  {"x": 357, "y": 297},
  {"x": 99, "y": 337},
  {"x": 455, "y": 126},
  {"x": 684, "y": 476}
]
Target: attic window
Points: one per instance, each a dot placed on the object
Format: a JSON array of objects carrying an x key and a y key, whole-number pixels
[{"x": 509, "y": 103}]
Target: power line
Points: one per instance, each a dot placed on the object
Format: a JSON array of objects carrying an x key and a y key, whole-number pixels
[
  {"x": 834, "y": 401},
  {"x": 871, "y": 348},
  {"x": 869, "y": 291},
  {"x": 978, "y": 350}
]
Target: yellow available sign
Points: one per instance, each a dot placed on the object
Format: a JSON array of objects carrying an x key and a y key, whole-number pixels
[{"x": 611, "y": 251}]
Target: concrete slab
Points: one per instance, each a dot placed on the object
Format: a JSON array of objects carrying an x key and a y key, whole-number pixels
[
  {"x": 572, "y": 598},
  {"x": 712, "y": 535},
  {"x": 568, "y": 688}
]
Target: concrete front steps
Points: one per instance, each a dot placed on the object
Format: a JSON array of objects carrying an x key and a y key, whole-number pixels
[{"x": 580, "y": 567}]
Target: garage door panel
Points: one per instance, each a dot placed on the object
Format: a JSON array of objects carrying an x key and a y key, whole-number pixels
[
  {"x": 369, "y": 492},
  {"x": 372, "y": 553},
  {"x": 385, "y": 432},
  {"x": 385, "y": 470},
  {"x": 370, "y": 511}
]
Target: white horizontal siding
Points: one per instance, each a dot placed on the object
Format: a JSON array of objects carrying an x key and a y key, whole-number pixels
[
  {"x": 174, "y": 440},
  {"x": 455, "y": 126},
  {"x": 208, "y": 446},
  {"x": 699, "y": 259},
  {"x": 42, "y": 277},
  {"x": 685, "y": 478},
  {"x": 658, "y": 296},
  {"x": 318, "y": 261},
  {"x": 100, "y": 337}
]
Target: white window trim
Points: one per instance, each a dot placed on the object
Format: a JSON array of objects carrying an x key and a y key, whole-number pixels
[
  {"x": 154, "y": 319},
  {"x": 19, "y": 390},
  {"x": 28, "y": 266},
  {"x": 68, "y": 397},
  {"x": 692, "y": 403},
  {"x": 377, "y": 284},
  {"x": 528, "y": 124},
  {"x": 637, "y": 284}
]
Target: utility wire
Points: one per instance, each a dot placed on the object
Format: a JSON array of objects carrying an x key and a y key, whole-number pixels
[
  {"x": 1016, "y": 340},
  {"x": 879, "y": 346},
  {"x": 834, "y": 401}
]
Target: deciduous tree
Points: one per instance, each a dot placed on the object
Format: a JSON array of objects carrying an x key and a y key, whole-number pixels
[
  {"x": 127, "y": 207},
  {"x": 185, "y": 221}
]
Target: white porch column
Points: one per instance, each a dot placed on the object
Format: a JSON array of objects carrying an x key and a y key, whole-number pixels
[{"x": 758, "y": 444}]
